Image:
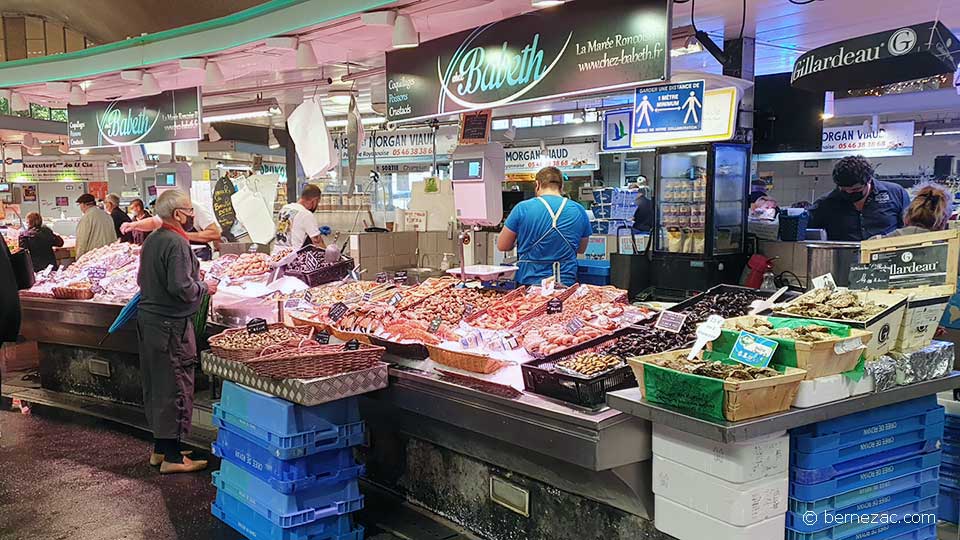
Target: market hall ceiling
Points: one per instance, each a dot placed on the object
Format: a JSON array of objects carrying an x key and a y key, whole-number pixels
[{"x": 105, "y": 21}]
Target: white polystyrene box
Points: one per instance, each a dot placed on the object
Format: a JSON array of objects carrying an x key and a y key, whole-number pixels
[
  {"x": 734, "y": 462},
  {"x": 865, "y": 385},
  {"x": 822, "y": 390},
  {"x": 737, "y": 504},
  {"x": 686, "y": 523},
  {"x": 952, "y": 407}
]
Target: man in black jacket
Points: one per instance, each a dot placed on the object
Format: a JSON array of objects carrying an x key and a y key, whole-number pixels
[{"x": 9, "y": 301}]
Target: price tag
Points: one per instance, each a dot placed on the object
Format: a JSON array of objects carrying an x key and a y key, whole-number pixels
[
  {"x": 382, "y": 277},
  {"x": 400, "y": 277},
  {"x": 291, "y": 304},
  {"x": 308, "y": 296},
  {"x": 367, "y": 296},
  {"x": 753, "y": 350},
  {"x": 395, "y": 299},
  {"x": 435, "y": 325},
  {"x": 847, "y": 345},
  {"x": 257, "y": 326},
  {"x": 252, "y": 248},
  {"x": 322, "y": 338},
  {"x": 574, "y": 325},
  {"x": 824, "y": 282},
  {"x": 869, "y": 276},
  {"x": 97, "y": 272},
  {"x": 707, "y": 331},
  {"x": 351, "y": 345},
  {"x": 509, "y": 342},
  {"x": 554, "y": 306},
  {"x": 671, "y": 321},
  {"x": 468, "y": 309},
  {"x": 337, "y": 311}
]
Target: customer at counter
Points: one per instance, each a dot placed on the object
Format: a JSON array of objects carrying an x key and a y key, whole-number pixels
[
  {"x": 643, "y": 216},
  {"x": 39, "y": 240},
  {"x": 202, "y": 230},
  {"x": 548, "y": 232},
  {"x": 138, "y": 212},
  {"x": 95, "y": 228},
  {"x": 9, "y": 298},
  {"x": 171, "y": 292},
  {"x": 112, "y": 206},
  {"x": 296, "y": 223},
  {"x": 928, "y": 212},
  {"x": 861, "y": 206}
]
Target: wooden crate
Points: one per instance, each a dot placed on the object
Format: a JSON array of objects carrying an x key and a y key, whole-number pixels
[
  {"x": 904, "y": 248},
  {"x": 920, "y": 322}
]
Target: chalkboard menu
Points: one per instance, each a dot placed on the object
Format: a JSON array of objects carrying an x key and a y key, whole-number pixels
[
  {"x": 475, "y": 127},
  {"x": 223, "y": 206},
  {"x": 869, "y": 276}
]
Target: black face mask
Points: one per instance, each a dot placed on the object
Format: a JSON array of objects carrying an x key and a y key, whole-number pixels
[{"x": 856, "y": 196}]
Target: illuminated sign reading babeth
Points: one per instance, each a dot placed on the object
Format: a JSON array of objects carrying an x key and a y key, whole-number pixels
[{"x": 173, "y": 115}]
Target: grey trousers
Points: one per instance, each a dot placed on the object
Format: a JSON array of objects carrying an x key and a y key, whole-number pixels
[{"x": 168, "y": 357}]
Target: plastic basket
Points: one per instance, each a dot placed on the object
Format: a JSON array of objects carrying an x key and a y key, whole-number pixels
[
  {"x": 948, "y": 507},
  {"x": 878, "y": 504},
  {"x": 303, "y": 444},
  {"x": 412, "y": 351},
  {"x": 287, "y": 475},
  {"x": 863, "y": 455},
  {"x": 915, "y": 465},
  {"x": 867, "y": 418},
  {"x": 256, "y": 527},
  {"x": 793, "y": 228},
  {"x": 873, "y": 531},
  {"x": 846, "y": 439},
  {"x": 856, "y": 496},
  {"x": 324, "y": 275},
  {"x": 288, "y": 510}
]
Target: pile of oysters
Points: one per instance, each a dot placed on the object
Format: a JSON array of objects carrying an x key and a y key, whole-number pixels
[{"x": 840, "y": 304}]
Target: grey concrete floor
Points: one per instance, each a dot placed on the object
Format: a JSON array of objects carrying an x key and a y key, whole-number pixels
[{"x": 71, "y": 477}]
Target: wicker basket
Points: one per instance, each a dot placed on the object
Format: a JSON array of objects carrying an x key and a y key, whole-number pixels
[
  {"x": 463, "y": 360},
  {"x": 70, "y": 293},
  {"x": 311, "y": 361},
  {"x": 240, "y": 355},
  {"x": 412, "y": 351},
  {"x": 347, "y": 336}
]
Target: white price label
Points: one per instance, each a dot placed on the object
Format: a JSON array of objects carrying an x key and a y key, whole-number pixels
[
  {"x": 824, "y": 282},
  {"x": 708, "y": 331},
  {"x": 847, "y": 345}
]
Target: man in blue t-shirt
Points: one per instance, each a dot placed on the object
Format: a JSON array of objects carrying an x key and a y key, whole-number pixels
[{"x": 548, "y": 232}]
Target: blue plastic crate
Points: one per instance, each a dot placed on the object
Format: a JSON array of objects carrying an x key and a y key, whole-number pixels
[
  {"x": 301, "y": 508},
  {"x": 874, "y": 531},
  {"x": 821, "y": 466},
  {"x": 854, "y": 437},
  {"x": 951, "y": 433},
  {"x": 304, "y": 444},
  {"x": 925, "y": 532},
  {"x": 796, "y": 521},
  {"x": 917, "y": 466},
  {"x": 287, "y": 475},
  {"x": 867, "y": 418},
  {"x": 859, "y": 495},
  {"x": 948, "y": 508},
  {"x": 592, "y": 267},
  {"x": 949, "y": 478},
  {"x": 256, "y": 527},
  {"x": 587, "y": 279}
]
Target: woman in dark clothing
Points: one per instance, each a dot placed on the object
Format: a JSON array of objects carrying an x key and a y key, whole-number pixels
[{"x": 39, "y": 240}]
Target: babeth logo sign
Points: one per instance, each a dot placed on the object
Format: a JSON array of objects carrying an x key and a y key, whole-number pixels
[
  {"x": 121, "y": 126},
  {"x": 578, "y": 48},
  {"x": 174, "y": 115}
]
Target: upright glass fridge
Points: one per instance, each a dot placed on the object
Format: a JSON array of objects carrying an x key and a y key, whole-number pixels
[{"x": 701, "y": 199}]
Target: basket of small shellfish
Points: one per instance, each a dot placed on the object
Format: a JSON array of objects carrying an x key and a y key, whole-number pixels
[{"x": 240, "y": 344}]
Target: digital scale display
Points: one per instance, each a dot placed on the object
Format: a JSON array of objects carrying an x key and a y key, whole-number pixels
[
  {"x": 468, "y": 169},
  {"x": 167, "y": 179}
]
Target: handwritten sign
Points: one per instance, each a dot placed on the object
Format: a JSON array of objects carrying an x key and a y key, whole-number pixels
[
  {"x": 257, "y": 326},
  {"x": 352, "y": 345},
  {"x": 475, "y": 127},
  {"x": 415, "y": 220},
  {"x": 400, "y": 277},
  {"x": 554, "y": 306},
  {"x": 382, "y": 277},
  {"x": 337, "y": 311},
  {"x": 753, "y": 350},
  {"x": 707, "y": 331},
  {"x": 367, "y": 296},
  {"x": 322, "y": 338},
  {"x": 395, "y": 299},
  {"x": 574, "y": 325},
  {"x": 671, "y": 321},
  {"x": 869, "y": 276},
  {"x": 915, "y": 266},
  {"x": 223, "y": 209}
]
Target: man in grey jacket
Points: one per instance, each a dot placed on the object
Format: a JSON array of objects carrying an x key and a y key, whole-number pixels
[{"x": 171, "y": 292}]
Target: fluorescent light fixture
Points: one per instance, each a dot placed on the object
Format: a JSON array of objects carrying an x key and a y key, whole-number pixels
[
  {"x": 828, "y": 109},
  {"x": 405, "y": 36},
  {"x": 77, "y": 96},
  {"x": 579, "y": 118},
  {"x": 272, "y": 141},
  {"x": 18, "y": 102},
  {"x": 214, "y": 75},
  {"x": 260, "y": 108},
  {"x": 340, "y": 97},
  {"x": 368, "y": 121},
  {"x": 538, "y": 4},
  {"x": 932, "y": 133},
  {"x": 149, "y": 85},
  {"x": 306, "y": 58}
]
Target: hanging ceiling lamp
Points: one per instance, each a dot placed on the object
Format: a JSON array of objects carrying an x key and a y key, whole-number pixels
[{"x": 405, "y": 36}]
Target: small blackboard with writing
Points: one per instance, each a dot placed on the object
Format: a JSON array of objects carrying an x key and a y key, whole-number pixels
[
  {"x": 400, "y": 277},
  {"x": 367, "y": 296},
  {"x": 322, "y": 338},
  {"x": 475, "y": 127},
  {"x": 670, "y": 321},
  {"x": 352, "y": 345},
  {"x": 257, "y": 326},
  {"x": 869, "y": 276},
  {"x": 435, "y": 325},
  {"x": 381, "y": 277},
  {"x": 554, "y": 306},
  {"x": 337, "y": 311}
]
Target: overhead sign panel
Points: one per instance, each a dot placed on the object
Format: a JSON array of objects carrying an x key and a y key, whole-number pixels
[
  {"x": 894, "y": 139},
  {"x": 718, "y": 122},
  {"x": 173, "y": 115},
  {"x": 578, "y": 48},
  {"x": 901, "y": 54},
  {"x": 668, "y": 108}
]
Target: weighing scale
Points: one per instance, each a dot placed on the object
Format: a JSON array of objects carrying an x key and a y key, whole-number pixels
[{"x": 173, "y": 175}]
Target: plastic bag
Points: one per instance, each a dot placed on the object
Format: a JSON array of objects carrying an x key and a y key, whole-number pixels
[{"x": 308, "y": 129}]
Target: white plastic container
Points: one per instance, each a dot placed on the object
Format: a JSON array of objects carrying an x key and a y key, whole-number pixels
[
  {"x": 952, "y": 407},
  {"x": 686, "y": 523},
  {"x": 822, "y": 390},
  {"x": 737, "y": 504},
  {"x": 763, "y": 457},
  {"x": 865, "y": 385}
]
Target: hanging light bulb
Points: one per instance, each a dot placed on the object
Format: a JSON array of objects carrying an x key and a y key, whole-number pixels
[
  {"x": 272, "y": 142},
  {"x": 405, "y": 36},
  {"x": 149, "y": 85},
  {"x": 827, "y": 106},
  {"x": 77, "y": 95},
  {"x": 213, "y": 75},
  {"x": 306, "y": 58}
]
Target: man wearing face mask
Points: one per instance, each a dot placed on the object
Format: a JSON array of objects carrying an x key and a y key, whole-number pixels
[
  {"x": 202, "y": 229},
  {"x": 861, "y": 206},
  {"x": 171, "y": 292},
  {"x": 296, "y": 224}
]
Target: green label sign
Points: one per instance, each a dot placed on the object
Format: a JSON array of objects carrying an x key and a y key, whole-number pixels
[{"x": 173, "y": 115}]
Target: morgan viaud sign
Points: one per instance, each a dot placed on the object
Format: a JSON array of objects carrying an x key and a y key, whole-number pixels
[
  {"x": 582, "y": 46},
  {"x": 173, "y": 115}
]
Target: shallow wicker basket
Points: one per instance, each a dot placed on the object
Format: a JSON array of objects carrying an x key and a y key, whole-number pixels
[
  {"x": 240, "y": 355},
  {"x": 476, "y": 363},
  {"x": 311, "y": 360},
  {"x": 70, "y": 293}
]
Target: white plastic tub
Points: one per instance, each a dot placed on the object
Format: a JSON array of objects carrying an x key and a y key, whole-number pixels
[
  {"x": 737, "y": 504},
  {"x": 763, "y": 457},
  {"x": 822, "y": 390},
  {"x": 686, "y": 523}
]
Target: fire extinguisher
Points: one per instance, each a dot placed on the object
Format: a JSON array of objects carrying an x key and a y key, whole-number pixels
[{"x": 757, "y": 266}]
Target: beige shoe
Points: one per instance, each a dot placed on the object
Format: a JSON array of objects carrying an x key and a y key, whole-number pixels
[
  {"x": 157, "y": 459},
  {"x": 187, "y": 466}
]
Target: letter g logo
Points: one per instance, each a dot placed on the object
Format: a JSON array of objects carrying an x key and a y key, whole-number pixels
[{"x": 902, "y": 41}]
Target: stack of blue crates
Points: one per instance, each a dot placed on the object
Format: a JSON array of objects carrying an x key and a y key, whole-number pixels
[
  {"x": 287, "y": 471},
  {"x": 885, "y": 461},
  {"x": 949, "y": 509}
]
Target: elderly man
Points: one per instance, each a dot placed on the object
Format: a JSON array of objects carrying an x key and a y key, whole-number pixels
[
  {"x": 170, "y": 295},
  {"x": 112, "y": 205},
  {"x": 95, "y": 229}
]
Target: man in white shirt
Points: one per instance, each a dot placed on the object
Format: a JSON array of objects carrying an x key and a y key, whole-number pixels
[
  {"x": 203, "y": 229},
  {"x": 296, "y": 224}
]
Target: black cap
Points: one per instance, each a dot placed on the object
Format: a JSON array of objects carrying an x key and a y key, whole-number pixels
[{"x": 86, "y": 198}]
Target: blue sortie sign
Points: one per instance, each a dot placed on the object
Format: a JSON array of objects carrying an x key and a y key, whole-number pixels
[{"x": 668, "y": 107}]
